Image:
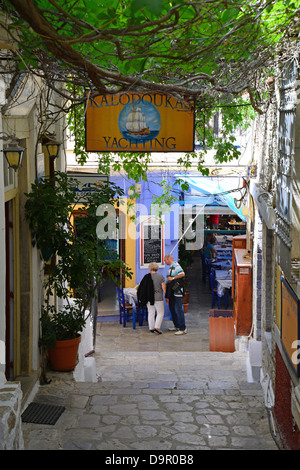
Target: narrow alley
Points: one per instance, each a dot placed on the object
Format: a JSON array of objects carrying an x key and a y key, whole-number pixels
[{"x": 157, "y": 393}]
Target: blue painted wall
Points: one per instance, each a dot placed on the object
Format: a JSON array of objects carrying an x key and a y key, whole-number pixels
[{"x": 149, "y": 190}]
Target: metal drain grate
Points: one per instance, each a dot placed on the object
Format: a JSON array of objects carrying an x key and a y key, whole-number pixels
[{"x": 40, "y": 413}]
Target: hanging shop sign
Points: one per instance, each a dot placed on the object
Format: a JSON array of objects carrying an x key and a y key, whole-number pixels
[
  {"x": 151, "y": 242},
  {"x": 290, "y": 325},
  {"x": 139, "y": 122}
]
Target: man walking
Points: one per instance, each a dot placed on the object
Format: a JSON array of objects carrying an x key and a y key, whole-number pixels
[{"x": 174, "y": 293}]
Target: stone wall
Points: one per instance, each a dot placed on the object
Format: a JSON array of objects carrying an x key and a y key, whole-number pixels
[{"x": 11, "y": 437}]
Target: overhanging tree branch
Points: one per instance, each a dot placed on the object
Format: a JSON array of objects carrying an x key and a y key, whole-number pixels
[
  {"x": 210, "y": 51},
  {"x": 191, "y": 49}
]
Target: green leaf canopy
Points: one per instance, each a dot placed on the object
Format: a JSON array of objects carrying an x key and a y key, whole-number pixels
[{"x": 191, "y": 48}]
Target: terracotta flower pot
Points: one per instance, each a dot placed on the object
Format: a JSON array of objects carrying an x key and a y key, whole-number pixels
[
  {"x": 63, "y": 357},
  {"x": 185, "y": 298},
  {"x": 185, "y": 307}
]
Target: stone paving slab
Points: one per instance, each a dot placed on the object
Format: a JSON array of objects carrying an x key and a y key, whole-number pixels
[
  {"x": 157, "y": 393},
  {"x": 201, "y": 408}
]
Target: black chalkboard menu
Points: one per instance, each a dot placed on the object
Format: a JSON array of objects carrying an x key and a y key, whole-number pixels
[{"x": 152, "y": 244}]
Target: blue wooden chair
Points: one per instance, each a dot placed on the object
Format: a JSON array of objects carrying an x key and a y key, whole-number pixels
[
  {"x": 141, "y": 314},
  {"x": 215, "y": 295},
  {"x": 126, "y": 310}
]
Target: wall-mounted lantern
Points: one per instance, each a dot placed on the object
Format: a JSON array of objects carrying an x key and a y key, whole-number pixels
[
  {"x": 12, "y": 150},
  {"x": 52, "y": 147}
]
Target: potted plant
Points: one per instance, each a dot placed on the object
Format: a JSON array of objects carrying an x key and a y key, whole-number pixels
[
  {"x": 186, "y": 295},
  {"x": 61, "y": 335},
  {"x": 63, "y": 223}
]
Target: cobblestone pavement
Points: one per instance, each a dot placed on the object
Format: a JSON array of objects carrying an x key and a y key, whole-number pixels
[{"x": 157, "y": 393}]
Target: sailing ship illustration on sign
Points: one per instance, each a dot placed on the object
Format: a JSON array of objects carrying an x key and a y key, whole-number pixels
[
  {"x": 136, "y": 123},
  {"x": 139, "y": 121}
]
